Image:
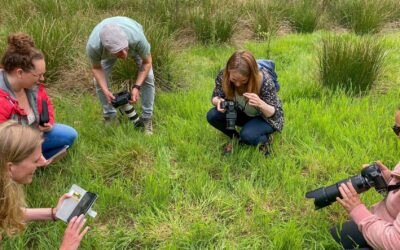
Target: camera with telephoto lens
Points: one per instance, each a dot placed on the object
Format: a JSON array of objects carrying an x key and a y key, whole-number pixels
[
  {"x": 231, "y": 115},
  {"x": 370, "y": 176},
  {"x": 121, "y": 101}
]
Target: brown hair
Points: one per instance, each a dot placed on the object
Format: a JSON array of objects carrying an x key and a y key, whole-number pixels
[
  {"x": 17, "y": 142},
  {"x": 245, "y": 64},
  {"x": 20, "y": 53}
]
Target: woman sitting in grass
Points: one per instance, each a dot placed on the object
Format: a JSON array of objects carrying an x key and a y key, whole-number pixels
[
  {"x": 22, "y": 93},
  {"x": 254, "y": 93},
  {"x": 377, "y": 228},
  {"x": 20, "y": 156}
]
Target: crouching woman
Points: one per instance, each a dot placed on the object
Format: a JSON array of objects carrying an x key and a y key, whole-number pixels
[{"x": 254, "y": 92}]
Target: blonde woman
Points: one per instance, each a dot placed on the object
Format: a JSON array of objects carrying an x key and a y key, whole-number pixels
[
  {"x": 254, "y": 92},
  {"x": 20, "y": 156}
]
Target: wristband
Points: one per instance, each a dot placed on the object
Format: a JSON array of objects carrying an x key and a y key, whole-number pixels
[
  {"x": 53, "y": 216},
  {"x": 137, "y": 86}
]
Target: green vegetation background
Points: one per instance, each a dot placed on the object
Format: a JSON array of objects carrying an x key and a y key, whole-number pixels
[{"x": 174, "y": 190}]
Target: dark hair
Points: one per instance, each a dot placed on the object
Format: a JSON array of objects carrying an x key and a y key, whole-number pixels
[{"x": 20, "y": 53}]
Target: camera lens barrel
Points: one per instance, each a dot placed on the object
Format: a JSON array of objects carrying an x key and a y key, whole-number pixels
[
  {"x": 370, "y": 176},
  {"x": 131, "y": 113}
]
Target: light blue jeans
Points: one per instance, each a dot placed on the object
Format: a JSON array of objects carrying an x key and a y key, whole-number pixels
[
  {"x": 147, "y": 90},
  {"x": 58, "y": 137}
]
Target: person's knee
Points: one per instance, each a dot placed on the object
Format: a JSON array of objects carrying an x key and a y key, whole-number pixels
[
  {"x": 68, "y": 135},
  {"x": 212, "y": 116},
  {"x": 71, "y": 136},
  {"x": 249, "y": 137}
]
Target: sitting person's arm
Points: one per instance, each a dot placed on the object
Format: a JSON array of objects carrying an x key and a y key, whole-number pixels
[
  {"x": 39, "y": 214},
  {"x": 379, "y": 233},
  {"x": 44, "y": 213}
]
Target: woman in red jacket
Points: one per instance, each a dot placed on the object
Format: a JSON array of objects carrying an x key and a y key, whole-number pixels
[{"x": 22, "y": 93}]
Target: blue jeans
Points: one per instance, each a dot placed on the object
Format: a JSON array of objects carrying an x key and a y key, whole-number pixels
[
  {"x": 255, "y": 130},
  {"x": 58, "y": 137},
  {"x": 147, "y": 90}
]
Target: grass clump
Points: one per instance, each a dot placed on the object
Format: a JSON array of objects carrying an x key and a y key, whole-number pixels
[
  {"x": 364, "y": 16},
  {"x": 351, "y": 63},
  {"x": 213, "y": 24},
  {"x": 304, "y": 14}
]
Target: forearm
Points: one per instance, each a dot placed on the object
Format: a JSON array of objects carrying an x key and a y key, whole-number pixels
[
  {"x": 100, "y": 77},
  {"x": 143, "y": 72},
  {"x": 32, "y": 214},
  {"x": 266, "y": 109}
]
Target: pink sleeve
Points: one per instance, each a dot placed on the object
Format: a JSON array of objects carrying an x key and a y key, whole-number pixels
[{"x": 379, "y": 233}]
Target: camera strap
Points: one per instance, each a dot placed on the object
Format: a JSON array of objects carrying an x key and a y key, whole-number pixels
[{"x": 393, "y": 187}]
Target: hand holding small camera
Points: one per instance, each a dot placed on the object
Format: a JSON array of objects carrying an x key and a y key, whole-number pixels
[
  {"x": 350, "y": 198},
  {"x": 45, "y": 127},
  {"x": 219, "y": 107},
  {"x": 74, "y": 234}
]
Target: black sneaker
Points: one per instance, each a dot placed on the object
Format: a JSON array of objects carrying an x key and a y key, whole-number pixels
[{"x": 264, "y": 149}]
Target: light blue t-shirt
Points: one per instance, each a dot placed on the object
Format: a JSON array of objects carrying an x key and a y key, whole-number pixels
[{"x": 137, "y": 41}]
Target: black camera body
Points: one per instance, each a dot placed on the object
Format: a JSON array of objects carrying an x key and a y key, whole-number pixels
[
  {"x": 370, "y": 176},
  {"x": 231, "y": 114},
  {"x": 121, "y": 101},
  {"x": 121, "y": 98}
]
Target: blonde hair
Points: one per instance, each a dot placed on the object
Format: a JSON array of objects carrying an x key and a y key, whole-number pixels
[
  {"x": 17, "y": 142},
  {"x": 244, "y": 63}
]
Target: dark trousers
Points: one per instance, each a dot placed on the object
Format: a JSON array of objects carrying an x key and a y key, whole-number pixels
[
  {"x": 349, "y": 237},
  {"x": 255, "y": 130}
]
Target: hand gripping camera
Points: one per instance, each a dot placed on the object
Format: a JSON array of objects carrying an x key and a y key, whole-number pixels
[
  {"x": 121, "y": 101},
  {"x": 231, "y": 115},
  {"x": 370, "y": 176}
]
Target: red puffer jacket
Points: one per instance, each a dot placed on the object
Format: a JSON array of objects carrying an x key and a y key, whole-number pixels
[{"x": 9, "y": 108}]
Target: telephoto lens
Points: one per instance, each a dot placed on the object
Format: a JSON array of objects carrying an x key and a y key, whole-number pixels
[
  {"x": 370, "y": 176},
  {"x": 121, "y": 101},
  {"x": 131, "y": 113}
]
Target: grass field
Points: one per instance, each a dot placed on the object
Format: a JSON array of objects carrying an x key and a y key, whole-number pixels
[{"x": 174, "y": 190}]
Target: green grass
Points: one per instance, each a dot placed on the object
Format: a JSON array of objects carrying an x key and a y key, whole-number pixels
[{"x": 174, "y": 190}]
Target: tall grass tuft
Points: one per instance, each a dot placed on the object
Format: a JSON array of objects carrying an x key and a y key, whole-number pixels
[
  {"x": 172, "y": 13},
  {"x": 351, "y": 63},
  {"x": 213, "y": 24},
  {"x": 304, "y": 14},
  {"x": 266, "y": 16},
  {"x": 364, "y": 16}
]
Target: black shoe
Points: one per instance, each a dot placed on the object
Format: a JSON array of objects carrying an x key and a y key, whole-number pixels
[{"x": 264, "y": 149}]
